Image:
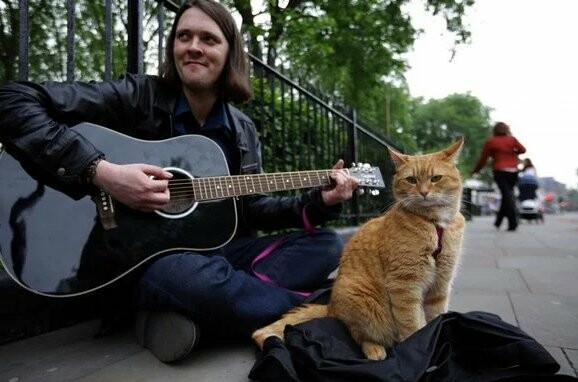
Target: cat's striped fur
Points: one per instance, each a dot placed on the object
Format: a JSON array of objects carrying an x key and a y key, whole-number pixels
[{"x": 390, "y": 281}]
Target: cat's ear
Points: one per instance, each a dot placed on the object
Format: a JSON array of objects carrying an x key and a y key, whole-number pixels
[
  {"x": 452, "y": 151},
  {"x": 397, "y": 158}
]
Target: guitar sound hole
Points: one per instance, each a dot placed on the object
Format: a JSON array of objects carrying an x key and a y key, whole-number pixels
[{"x": 182, "y": 199}]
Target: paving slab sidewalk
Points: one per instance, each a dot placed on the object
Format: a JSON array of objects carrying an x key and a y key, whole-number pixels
[{"x": 528, "y": 277}]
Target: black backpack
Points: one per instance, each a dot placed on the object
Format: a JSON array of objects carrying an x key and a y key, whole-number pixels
[{"x": 461, "y": 347}]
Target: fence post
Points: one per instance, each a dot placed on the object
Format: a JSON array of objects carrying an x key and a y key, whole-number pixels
[
  {"x": 134, "y": 55},
  {"x": 23, "y": 34},
  {"x": 353, "y": 155},
  {"x": 108, "y": 40},
  {"x": 70, "y": 32}
]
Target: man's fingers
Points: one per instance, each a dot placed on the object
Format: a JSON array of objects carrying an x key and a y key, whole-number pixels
[
  {"x": 156, "y": 201},
  {"x": 159, "y": 185},
  {"x": 157, "y": 172}
]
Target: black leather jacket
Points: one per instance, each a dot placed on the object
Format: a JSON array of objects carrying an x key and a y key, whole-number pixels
[{"x": 35, "y": 121}]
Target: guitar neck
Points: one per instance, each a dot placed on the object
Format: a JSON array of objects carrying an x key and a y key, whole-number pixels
[{"x": 238, "y": 185}]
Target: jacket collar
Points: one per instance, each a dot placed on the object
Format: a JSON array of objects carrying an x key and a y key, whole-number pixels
[
  {"x": 240, "y": 135},
  {"x": 166, "y": 97}
]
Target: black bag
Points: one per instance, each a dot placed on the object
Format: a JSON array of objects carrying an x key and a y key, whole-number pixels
[{"x": 461, "y": 347}]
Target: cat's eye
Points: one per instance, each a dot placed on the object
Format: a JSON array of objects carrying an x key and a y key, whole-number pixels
[
  {"x": 411, "y": 179},
  {"x": 436, "y": 178}
]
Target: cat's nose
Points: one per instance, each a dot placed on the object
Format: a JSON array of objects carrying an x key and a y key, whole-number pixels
[{"x": 424, "y": 193}]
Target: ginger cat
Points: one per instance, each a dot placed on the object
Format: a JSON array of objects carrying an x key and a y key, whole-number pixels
[{"x": 396, "y": 272}]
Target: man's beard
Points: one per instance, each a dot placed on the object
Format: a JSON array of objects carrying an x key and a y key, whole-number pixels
[{"x": 201, "y": 87}]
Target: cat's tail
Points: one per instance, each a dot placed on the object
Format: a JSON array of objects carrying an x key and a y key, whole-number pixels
[{"x": 293, "y": 317}]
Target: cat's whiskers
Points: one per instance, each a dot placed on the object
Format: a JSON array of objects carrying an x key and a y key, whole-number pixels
[
  {"x": 432, "y": 200},
  {"x": 437, "y": 207}
]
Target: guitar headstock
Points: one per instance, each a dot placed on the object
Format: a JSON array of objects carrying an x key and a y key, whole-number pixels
[{"x": 366, "y": 175}]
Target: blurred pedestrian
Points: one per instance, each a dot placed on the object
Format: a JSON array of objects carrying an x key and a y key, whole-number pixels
[
  {"x": 527, "y": 181},
  {"x": 504, "y": 149}
]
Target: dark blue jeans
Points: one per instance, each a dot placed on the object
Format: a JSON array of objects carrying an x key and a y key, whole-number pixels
[{"x": 219, "y": 291}]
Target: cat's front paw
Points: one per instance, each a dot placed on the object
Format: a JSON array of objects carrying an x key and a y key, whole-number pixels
[
  {"x": 259, "y": 336},
  {"x": 373, "y": 351}
]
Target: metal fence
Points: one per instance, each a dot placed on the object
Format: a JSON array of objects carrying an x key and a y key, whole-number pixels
[{"x": 299, "y": 130}]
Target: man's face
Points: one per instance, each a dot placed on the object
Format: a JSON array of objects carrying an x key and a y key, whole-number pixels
[{"x": 200, "y": 51}]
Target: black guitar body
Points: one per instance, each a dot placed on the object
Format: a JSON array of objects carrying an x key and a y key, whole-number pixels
[{"x": 56, "y": 246}]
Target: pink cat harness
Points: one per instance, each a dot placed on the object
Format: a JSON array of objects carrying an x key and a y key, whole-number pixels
[{"x": 440, "y": 232}]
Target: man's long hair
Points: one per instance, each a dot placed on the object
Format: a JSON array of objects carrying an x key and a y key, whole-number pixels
[{"x": 235, "y": 86}]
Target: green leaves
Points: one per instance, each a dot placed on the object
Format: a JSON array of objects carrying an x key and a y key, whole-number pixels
[
  {"x": 352, "y": 51},
  {"x": 439, "y": 122}
]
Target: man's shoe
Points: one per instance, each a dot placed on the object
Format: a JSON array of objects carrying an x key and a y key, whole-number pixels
[{"x": 170, "y": 336}]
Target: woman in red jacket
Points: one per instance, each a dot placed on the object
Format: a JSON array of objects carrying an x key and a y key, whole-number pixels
[{"x": 504, "y": 149}]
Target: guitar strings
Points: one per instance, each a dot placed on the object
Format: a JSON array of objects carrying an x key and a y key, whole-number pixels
[
  {"x": 251, "y": 176},
  {"x": 242, "y": 180},
  {"x": 207, "y": 196},
  {"x": 213, "y": 188},
  {"x": 210, "y": 188}
]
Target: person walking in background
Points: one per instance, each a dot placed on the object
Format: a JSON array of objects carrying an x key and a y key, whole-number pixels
[
  {"x": 528, "y": 181},
  {"x": 504, "y": 149}
]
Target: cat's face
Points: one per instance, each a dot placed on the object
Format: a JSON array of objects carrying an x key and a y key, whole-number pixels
[{"x": 426, "y": 181}]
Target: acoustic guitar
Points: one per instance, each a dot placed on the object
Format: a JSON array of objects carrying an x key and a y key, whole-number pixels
[{"x": 53, "y": 245}]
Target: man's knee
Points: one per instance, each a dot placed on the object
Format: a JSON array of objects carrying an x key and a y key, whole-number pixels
[{"x": 188, "y": 273}]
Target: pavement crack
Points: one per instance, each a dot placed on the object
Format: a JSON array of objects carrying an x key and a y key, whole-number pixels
[
  {"x": 524, "y": 280},
  {"x": 570, "y": 361},
  {"x": 513, "y": 309}
]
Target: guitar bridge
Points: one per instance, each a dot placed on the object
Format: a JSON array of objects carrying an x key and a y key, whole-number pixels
[{"x": 105, "y": 209}]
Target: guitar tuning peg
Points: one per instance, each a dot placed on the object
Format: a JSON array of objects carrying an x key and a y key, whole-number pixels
[
  {"x": 374, "y": 192},
  {"x": 360, "y": 191}
]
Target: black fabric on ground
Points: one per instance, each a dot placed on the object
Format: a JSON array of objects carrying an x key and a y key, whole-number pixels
[{"x": 475, "y": 346}]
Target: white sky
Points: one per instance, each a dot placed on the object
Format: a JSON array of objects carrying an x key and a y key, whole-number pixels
[{"x": 522, "y": 62}]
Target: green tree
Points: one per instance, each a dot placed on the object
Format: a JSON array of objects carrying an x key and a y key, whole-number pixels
[
  {"x": 438, "y": 122},
  {"x": 353, "y": 53},
  {"x": 345, "y": 50},
  {"x": 389, "y": 107}
]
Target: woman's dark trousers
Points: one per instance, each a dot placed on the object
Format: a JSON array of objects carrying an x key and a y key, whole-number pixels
[{"x": 506, "y": 182}]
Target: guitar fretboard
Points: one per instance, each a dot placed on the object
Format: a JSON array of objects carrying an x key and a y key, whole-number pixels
[{"x": 201, "y": 189}]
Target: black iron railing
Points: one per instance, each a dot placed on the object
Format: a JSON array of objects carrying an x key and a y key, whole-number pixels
[{"x": 299, "y": 130}]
